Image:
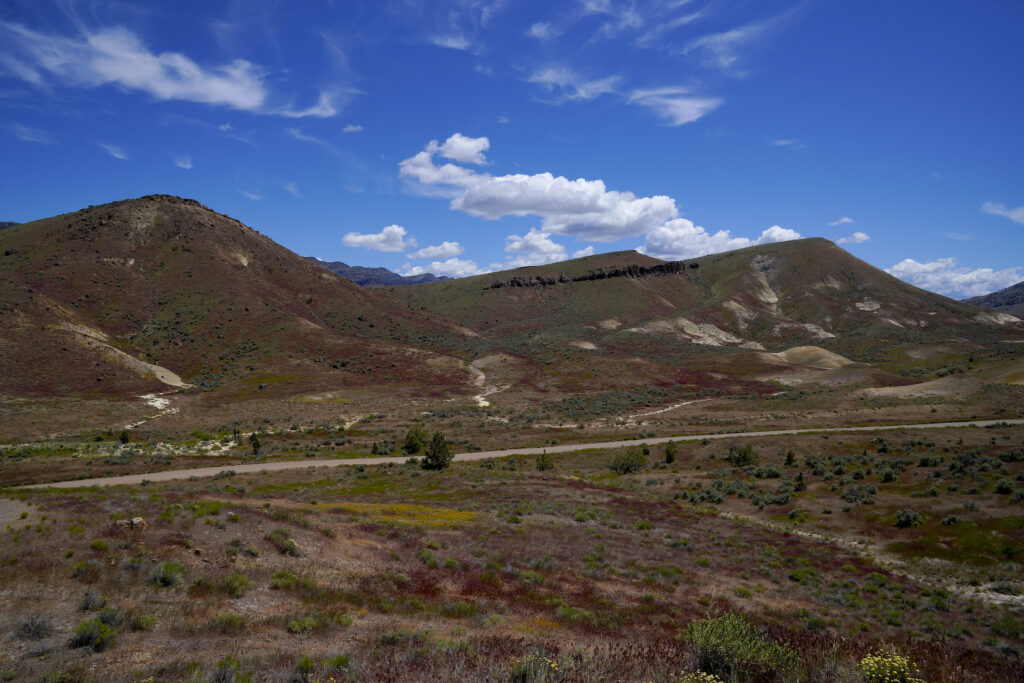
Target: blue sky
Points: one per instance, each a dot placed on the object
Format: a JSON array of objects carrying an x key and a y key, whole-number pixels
[{"x": 458, "y": 137}]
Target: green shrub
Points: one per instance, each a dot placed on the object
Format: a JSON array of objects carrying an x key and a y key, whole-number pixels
[
  {"x": 628, "y": 461},
  {"x": 229, "y": 670},
  {"x": 1004, "y": 486},
  {"x": 285, "y": 580},
  {"x": 536, "y": 667},
  {"x": 95, "y": 634},
  {"x": 227, "y": 622},
  {"x": 415, "y": 439},
  {"x": 236, "y": 583},
  {"x": 733, "y": 649},
  {"x": 99, "y": 545},
  {"x": 86, "y": 572},
  {"x": 143, "y": 622},
  {"x": 906, "y": 519},
  {"x": 889, "y": 667},
  {"x": 169, "y": 573},
  {"x": 545, "y": 462},
  {"x": 316, "y": 621},
  {"x": 457, "y": 610},
  {"x": 282, "y": 540}
]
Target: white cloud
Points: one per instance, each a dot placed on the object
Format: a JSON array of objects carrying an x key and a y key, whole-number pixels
[
  {"x": 722, "y": 49},
  {"x": 958, "y": 236},
  {"x": 28, "y": 134},
  {"x": 788, "y": 143},
  {"x": 945, "y": 277},
  {"x": 674, "y": 104},
  {"x": 568, "y": 85},
  {"x": 502, "y": 118},
  {"x": 352, "y": 128},
  {"x": 464, "y": 149},
  {"x": 114, "y": 151},
  {"x": 856, "y": 238},
  {"x": 439, "y": 251},
  {"x": 390, "y": 239},
  {"x": 582, "y": 208},
  {"x": 534, "y": 248},
  {"x": 292, "y": 188},
  {"x": 117, "y": 56},
  {"x": 542, "y": 30},
  {"x": 680, "y": 238},
  {"x": 225, "y": 128},
  {"x": 589, "y": 251},
  {"x": 324, "y": 108},
  {"x": 183, "y": 161},
  {"x": 453, "y": 267},
  {"x": 454, "y": 42},
  {"x": 1015, "y": 215},
  {"x": 845, "y": 220},
  {"x": 251, "y": 195}
]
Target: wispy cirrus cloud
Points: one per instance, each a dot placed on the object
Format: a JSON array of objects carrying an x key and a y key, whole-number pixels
[
  {"x": 845, "y": 220},
  {"x": 292, "y": 189},
  {"x": 117, "y": 56},
  {"x": 255, "y": 196},
  {"x": 114, "y": 151},
  {"x": 677, "y": 106},
  {"x": 29, "y": 134},
  {"x": 1016, "y": 215},
  {"x": 183, "y": 161},
  {"x": 567, "y": 85}
]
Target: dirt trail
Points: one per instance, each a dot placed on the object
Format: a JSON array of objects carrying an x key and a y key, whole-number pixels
[{"x": 168, "y": 475}]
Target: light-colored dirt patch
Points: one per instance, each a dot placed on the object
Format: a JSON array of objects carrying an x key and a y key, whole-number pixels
[
  {"x": 944, "y": 386},
  {"x": 996, "y": 318},
  {"x": 92, "y": 338},
  {"x": 698, "y": 333},
  {"x": 926, "y": 352},
  {"x": 764, "y": 293},
  {"x": 589, "y": 346},
  {"x": 868, "y": 305},
  {"x": 11, "y": 512},
  {"x": 742, "y": 313},
  {"x": 815, "y": 330},
  {"x": 609, "y": 324},
  {"x": 829, "y": 282},
  {"x": 813, "y": 357}
]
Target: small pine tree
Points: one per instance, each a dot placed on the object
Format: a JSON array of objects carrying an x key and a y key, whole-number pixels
[
  {"x": 670, "y": 452},
  {"x": 124, "y": 436},
  {"x": 415, "y": 439},
  {"x": 254, "y": 441},
  {"x": 439, "y": 454},
  {"x": 790, "y": 458},
  {"x": 545, "y": 462}
]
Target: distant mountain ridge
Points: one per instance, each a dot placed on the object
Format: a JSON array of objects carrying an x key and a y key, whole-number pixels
[
  {"x": 7, "y": 224},
  {"x": 374, "y": 277},
  {"x": 1009, "y": 300}
]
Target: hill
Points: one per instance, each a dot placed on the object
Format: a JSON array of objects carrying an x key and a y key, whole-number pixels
[
  {"x": 6, "y": 224},
  {"x": 373, "y": 277},
  {"x": 137, "y": 295},
  {"x": 1009, "y": 300}
]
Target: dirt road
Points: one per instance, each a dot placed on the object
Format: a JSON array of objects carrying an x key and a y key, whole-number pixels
[{"x": 168, "y": 475}]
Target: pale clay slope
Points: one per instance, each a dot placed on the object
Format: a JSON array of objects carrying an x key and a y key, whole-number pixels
[{"x": 92, "y": 338}]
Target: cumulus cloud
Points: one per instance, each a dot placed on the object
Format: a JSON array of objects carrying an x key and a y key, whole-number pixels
[
  {"x": 452, "y": 267},
  {"x": 856, "y": 238},
  {"x": 183, "y": 161},
  {"x": 117, "y": 56},
  {"x": 680, "y": 238},
  {"x": 465, "y": 150},
  {"x": 440, "y": 251},
  {"x": 567, "y": 85},
  {"x": 114, "y": 151},
  {"x": 585, "y": 209},
  {"x": 676, "y": 105},
  {"x": 946, "y": 277},
  {"x": 29, "y": 134},
  {"x": 1015, "y": 215},
  {"x": 390, "y": 239},
  {"x": 589, "y": 251},
  {"x": 352, "y": 128},
  {"x": 535, "y": 248},
  {"x": 845, "y": 220}
]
